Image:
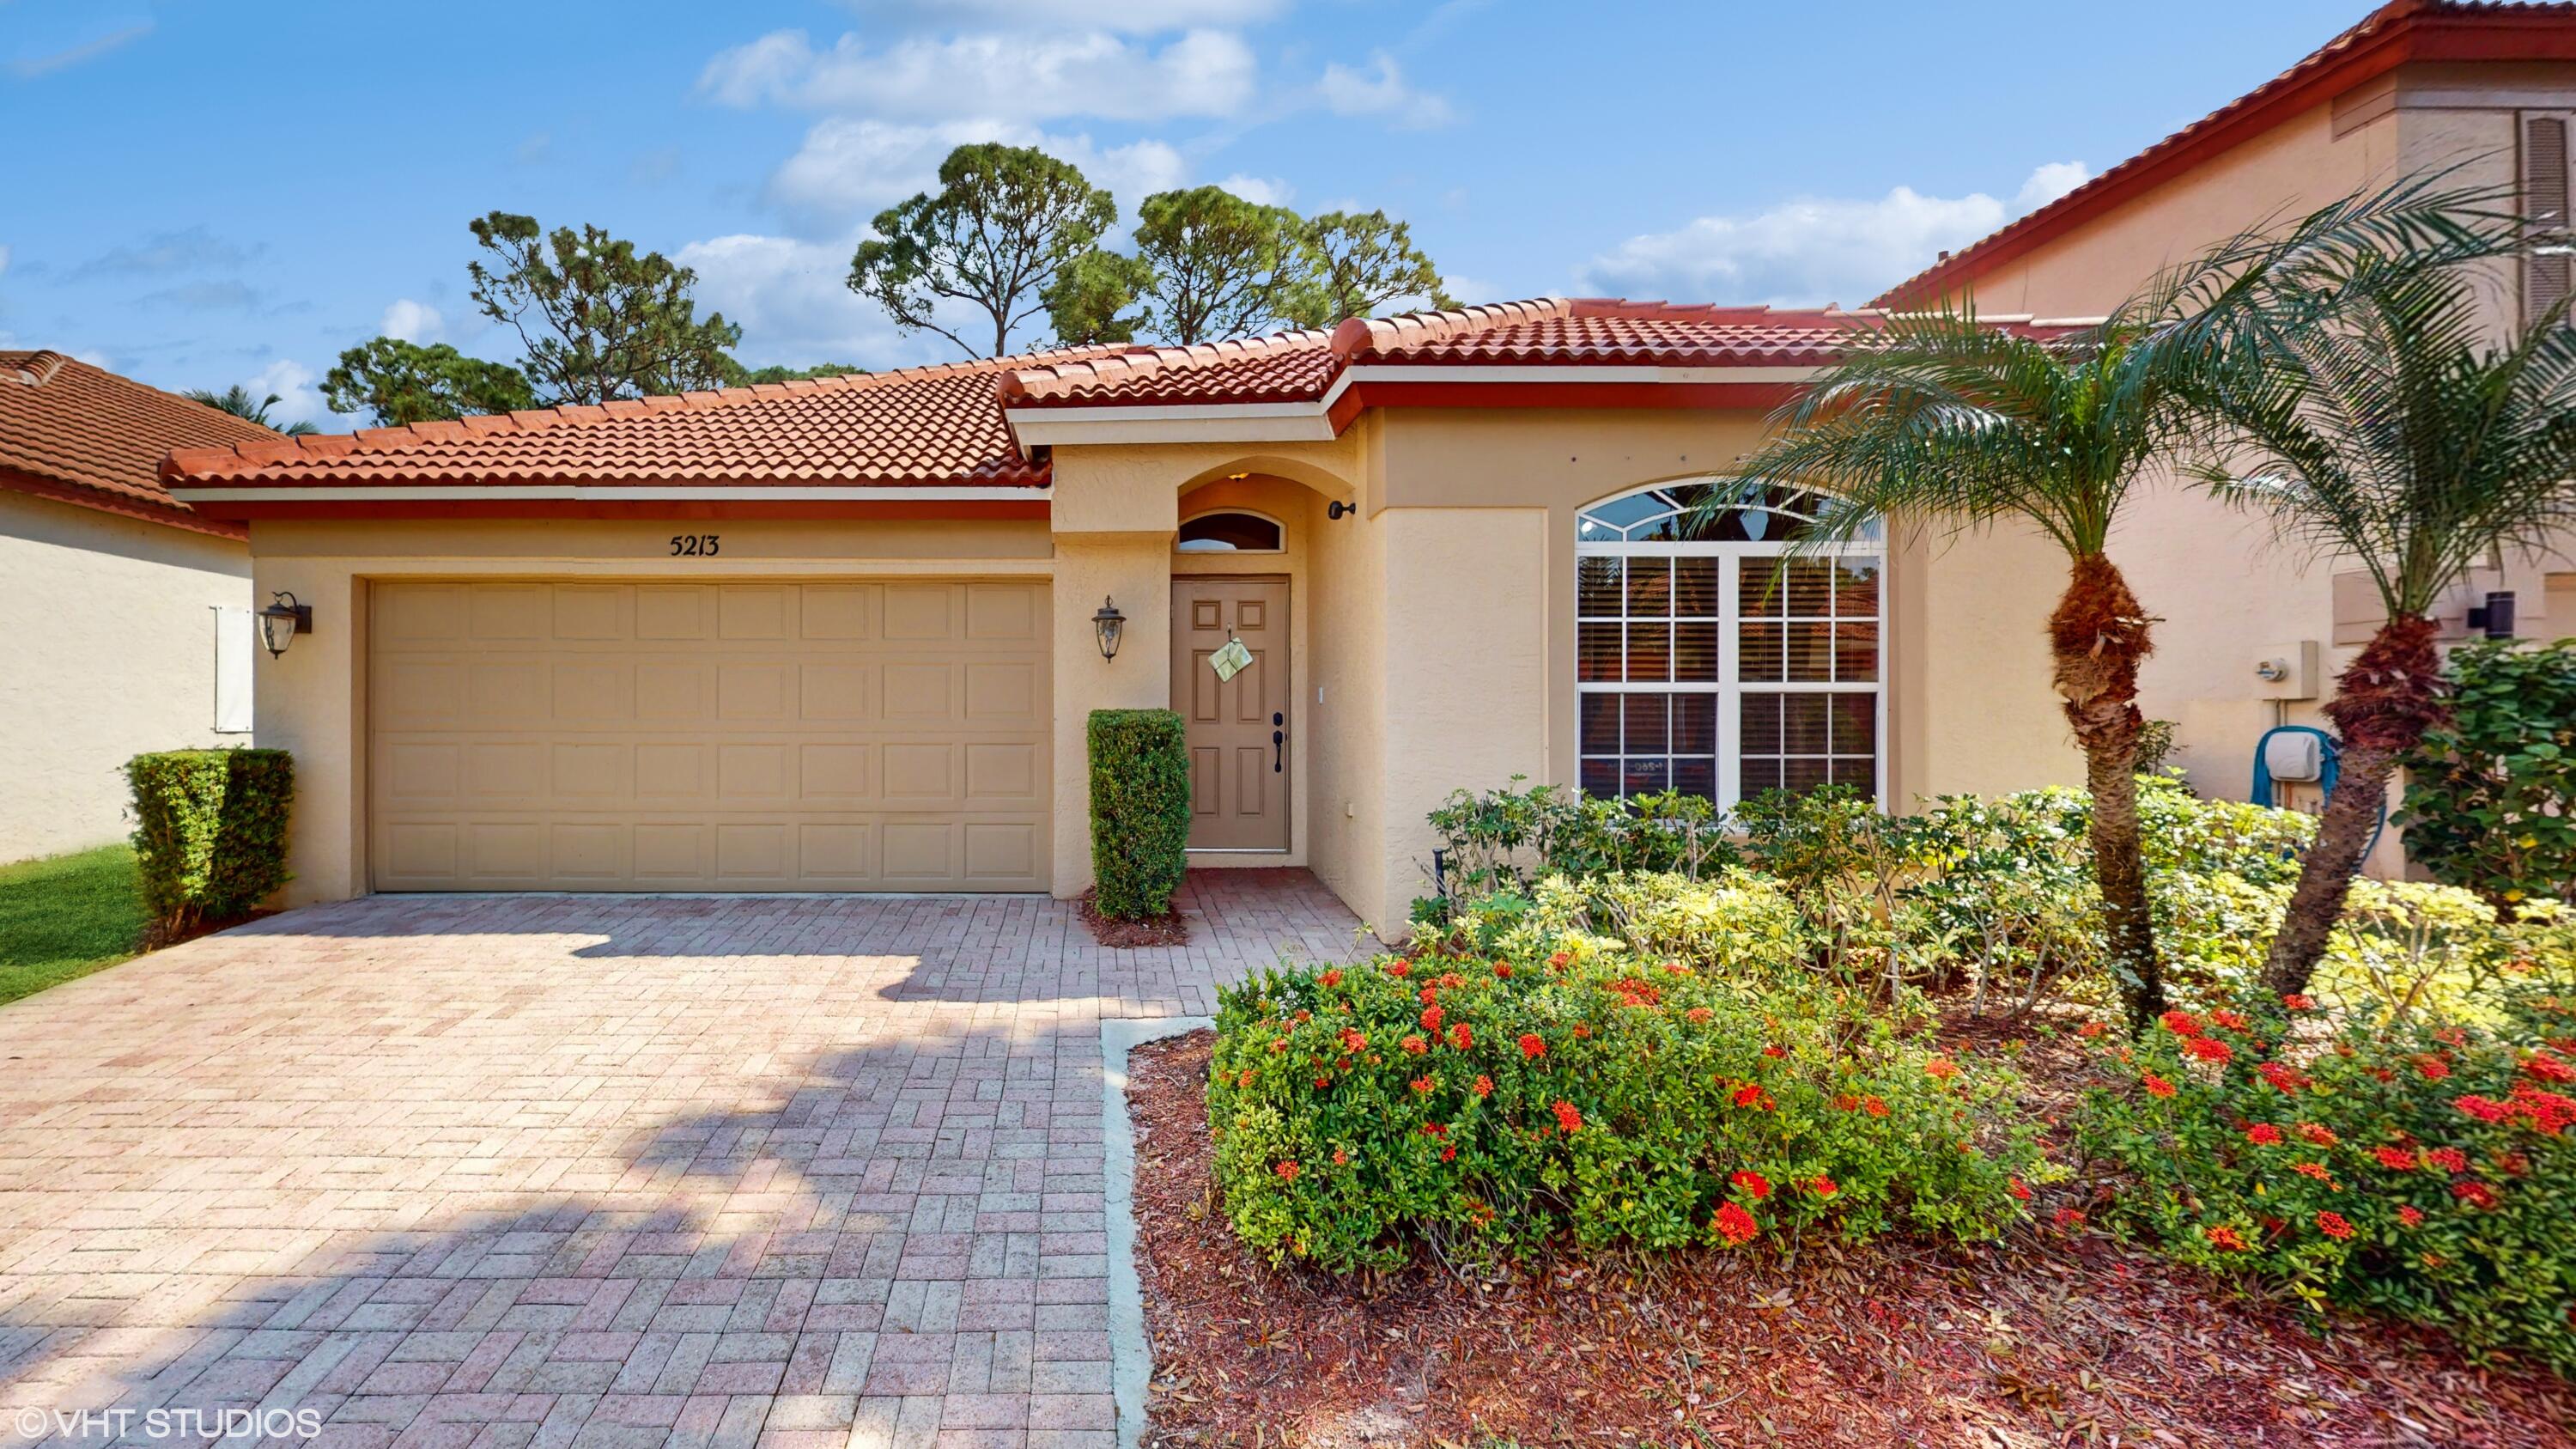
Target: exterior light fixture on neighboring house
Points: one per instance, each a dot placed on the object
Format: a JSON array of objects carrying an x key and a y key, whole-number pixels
[
  {"x": 281, "y": 621},
  {"x": 1109, "y": 624}
]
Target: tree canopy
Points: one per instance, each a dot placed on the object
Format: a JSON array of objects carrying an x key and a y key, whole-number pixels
[
  {"x": 399, "y": 382},
  {"x": 1004, "y": 224},
  {"x": 599, "y": 319},
  {"x": 1354, "y": 262}
]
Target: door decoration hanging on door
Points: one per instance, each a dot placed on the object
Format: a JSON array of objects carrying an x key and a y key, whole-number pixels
[{"x": 1230, "y": 660}]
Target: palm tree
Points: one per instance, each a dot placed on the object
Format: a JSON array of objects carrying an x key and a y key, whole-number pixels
[
  {"x": 1944, "y": 416},
  {"x": 237, "y": 400},
  {"x": 2363, "y": 402}
]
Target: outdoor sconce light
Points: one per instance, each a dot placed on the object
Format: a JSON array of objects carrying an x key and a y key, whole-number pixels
[
  {"x": 1335, "y": 509},
  {"x": 2496, "y": 619},
  {"x": 281, "y": 621},
  {"x": 1109, "y": 624}
]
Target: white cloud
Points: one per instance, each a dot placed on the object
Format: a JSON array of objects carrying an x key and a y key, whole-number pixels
[
  {"x": 1140, "y": 17},
  {"x": 4, "y": 261},
  {"x": 298, "y": 400},
  {"x": 793, "y": 302},
  {"x": 412, "y": 321},
  {"x": 1380, "y": 90},
  {"x": 1260, "y": 190},
  {"x": 1003, "y": 76},
  {"x": 848, "y": 169},
  {"x": 1814, "y": 249}
]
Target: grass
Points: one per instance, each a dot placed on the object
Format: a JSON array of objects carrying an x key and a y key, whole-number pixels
[{"x": 66, "y": 916}]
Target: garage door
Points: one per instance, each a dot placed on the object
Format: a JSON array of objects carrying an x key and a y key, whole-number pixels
[{"x": 756, "y": 736}]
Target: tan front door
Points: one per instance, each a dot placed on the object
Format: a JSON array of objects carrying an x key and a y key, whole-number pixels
[
  {"x": 1238, "y": 728},
  {"x": 851, "y": 736}
]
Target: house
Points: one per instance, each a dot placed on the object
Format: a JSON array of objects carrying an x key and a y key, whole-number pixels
[
  {"x": 2481, "y": 94},
  {"x": 126, "y": 613},
  {"x": 845, "y": 634}
]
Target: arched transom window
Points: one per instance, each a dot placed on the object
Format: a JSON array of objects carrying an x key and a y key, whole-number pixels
[{"x": 1709, "y": 659}]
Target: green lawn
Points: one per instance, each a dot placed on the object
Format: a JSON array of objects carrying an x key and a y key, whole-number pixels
[{"x": 66, "y": 916}]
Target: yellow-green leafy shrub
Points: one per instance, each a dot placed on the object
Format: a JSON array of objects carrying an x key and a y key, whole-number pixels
[{"x": 210, "y": 831}]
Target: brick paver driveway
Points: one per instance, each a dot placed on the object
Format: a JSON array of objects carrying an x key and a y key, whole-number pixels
[{"x": 592, "y": 1170}]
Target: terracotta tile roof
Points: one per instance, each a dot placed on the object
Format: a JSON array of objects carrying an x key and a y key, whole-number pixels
[
  {"x": 1549, "y": 331},
  {"x": 2387, "y": 37},
  {"x": 921, "y": 426},
  {"x": 84, "y": 435},
  {"x": 945, "y": 425}
]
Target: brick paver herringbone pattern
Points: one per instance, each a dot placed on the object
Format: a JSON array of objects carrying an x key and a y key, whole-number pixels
[{"x": 583, "y": 1170}]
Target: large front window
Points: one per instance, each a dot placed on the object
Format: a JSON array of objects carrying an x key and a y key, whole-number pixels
[{"x": 1717, "y": 659}]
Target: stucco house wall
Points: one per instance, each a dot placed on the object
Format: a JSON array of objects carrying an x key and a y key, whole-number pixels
[{"x": 107, "y": 650}]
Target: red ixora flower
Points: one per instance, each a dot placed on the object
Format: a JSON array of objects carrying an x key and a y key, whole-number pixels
[
  {"x": 1332, "y": 977},
  {"x": 2319, "y": 1133},
  {"x": 1735, "y": 1224},
  {"x": 1698, "y": 1013},
  {"x": 1424, "y": 1085},
  {"x": 2282, "y": 1076},
  {"x": 1558, "y": 960},
  {"x": 1502, "y": 971},
  {"x": 2181, "y": 1023},
  {"x": 1287, "y": 1170},
  {"x": 1751, "y": 1095},
  {"x": 1460, "y": 1038},
  {"x": 1874, "y": 1106},
  {"x": 1568, "y": 1117},
  {"x": 2395, "y": 1159},
  {"x": 2091, "y": 1029},
  {"x": 2431, "y": 1067},
  {"x": 2449, "y": 1159},
  {"x": 2157, "y": 1086},
  {"x": 2316, "y": 1170},
  {"x": 2299, "y": 1001},
  {"x": 2475, "y": 1194},
  {"x": 1752, "y": 1182},
  {"x": 2263, "y": 1134},
  {"x": 1531, "y": 1045},
  {"x": 2208, "y": 1049},
  {"x": 2230, "y": 1020},
  {"x": 1484, "y": 1087},
  {"x": 2224, "y": 1238},
  {"x": 1414, "y": 1045},
  {"x": 1823, "y": 1186},
  {"x": 1775, "y": 1051},
  {"x": 1399, "y": 968},
  {"x": 2410, "y": 1216},
  {"x": 2018, "y": 1190},
  {"x": 1941, "y": 1069},
  {"x": 1341, "y": 1158},
  {"x": 2068, "y": 1218},
  {"x": 2546, "y": 1066},
  {"x": 2333, "y": 1225},
  {"x": 1431, "y": 1019}
]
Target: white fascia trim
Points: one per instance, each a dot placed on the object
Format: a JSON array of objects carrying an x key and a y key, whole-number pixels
[
  {"x": 1288, "y": 422},
  {"x": 579, "y": 493}
]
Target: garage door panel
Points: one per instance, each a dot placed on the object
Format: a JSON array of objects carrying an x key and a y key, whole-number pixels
[{"x": 755, "y": 736}]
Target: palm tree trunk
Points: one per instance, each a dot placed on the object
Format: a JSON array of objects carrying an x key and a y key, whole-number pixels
[
  {"x": 2098, "y": 634},
  {"x": 2385, "y": 701}
]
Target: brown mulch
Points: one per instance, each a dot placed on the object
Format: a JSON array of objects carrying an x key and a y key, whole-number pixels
[
  {"x": 161, "y": 937},
  {"x": 2041, "y": 1340},
  {"x": 1168, "y": 929}
]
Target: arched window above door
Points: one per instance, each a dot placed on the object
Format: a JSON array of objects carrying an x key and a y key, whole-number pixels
[
  {"x": 1729, "y": 655},
  {"x": 1232, "y": 530}
]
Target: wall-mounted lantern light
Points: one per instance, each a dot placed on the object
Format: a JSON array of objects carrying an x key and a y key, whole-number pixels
[
  {"x": 281, "y": 621},
  {"x": 1109, "y": 624},
  {"x": 2496, "y": 619}
]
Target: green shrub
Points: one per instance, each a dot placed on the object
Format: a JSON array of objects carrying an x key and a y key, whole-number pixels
[
  {"x": 1503, "y": 840},
  {"x": 1487, "y": 1106},
  {"x": 2427, "y": 1171},
  {"x": 2491, "y": 798},
  {"x": 1140, "y": 811},
  {"x": 210, "y": 831}
]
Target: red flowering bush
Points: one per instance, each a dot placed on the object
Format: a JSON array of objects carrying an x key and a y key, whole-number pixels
[
  {"x": 1620, "y": 1100},
  {"x": 2424, "y": 1170}
]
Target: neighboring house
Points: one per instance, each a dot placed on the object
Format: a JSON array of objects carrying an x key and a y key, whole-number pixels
[
  {"x": 2483, "y": 92},
  {"x": 124, "y": 615},
  {"x": 841, "y": 635}
]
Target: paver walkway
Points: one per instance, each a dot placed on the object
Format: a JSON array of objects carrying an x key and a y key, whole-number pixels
[{"x": 500, "y": 1171}]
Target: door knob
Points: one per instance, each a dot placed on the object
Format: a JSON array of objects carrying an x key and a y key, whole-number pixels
[{"x": 1278, "y": 742}]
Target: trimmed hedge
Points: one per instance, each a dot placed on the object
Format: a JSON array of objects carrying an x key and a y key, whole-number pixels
[
  {"x": 210, "y": 832},
  {"x": 1140, "y": 811},
  {"x": 2491, "y": 796}
]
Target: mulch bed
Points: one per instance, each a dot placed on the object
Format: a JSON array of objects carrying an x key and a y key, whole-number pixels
[
  {"x": 2041, "y": 1340},
  {"x": 1168, "y": 929}
]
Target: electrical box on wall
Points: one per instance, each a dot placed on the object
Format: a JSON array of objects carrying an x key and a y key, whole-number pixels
[{"x": 2286, "y": 671}]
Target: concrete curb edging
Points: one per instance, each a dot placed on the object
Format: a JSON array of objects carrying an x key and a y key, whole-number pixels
[{"x": 1131, "y": 1353}]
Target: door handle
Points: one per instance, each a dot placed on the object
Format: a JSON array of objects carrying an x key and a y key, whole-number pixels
[{"x": 1278, "y": 743}]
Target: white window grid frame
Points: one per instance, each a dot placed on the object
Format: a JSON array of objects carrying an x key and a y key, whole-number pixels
[{"x": 1729, "y": 687}]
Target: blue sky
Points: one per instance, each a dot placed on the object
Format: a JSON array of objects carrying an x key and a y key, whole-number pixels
[{"x": 201, "y": 193}]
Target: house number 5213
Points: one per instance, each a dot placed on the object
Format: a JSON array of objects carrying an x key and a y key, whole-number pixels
[{"x": 693, "y": 545}]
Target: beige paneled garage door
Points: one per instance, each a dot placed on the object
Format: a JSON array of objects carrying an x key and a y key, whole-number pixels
[{"x": 814, "y": 736}]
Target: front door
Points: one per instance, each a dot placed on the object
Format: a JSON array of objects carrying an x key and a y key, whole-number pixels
[{"x": 1238, "y": 727}]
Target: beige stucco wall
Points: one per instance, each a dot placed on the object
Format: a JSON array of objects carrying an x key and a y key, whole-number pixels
[
  {"x": 2222, "y": 586},
  {"x": 107, "y": 650}
]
